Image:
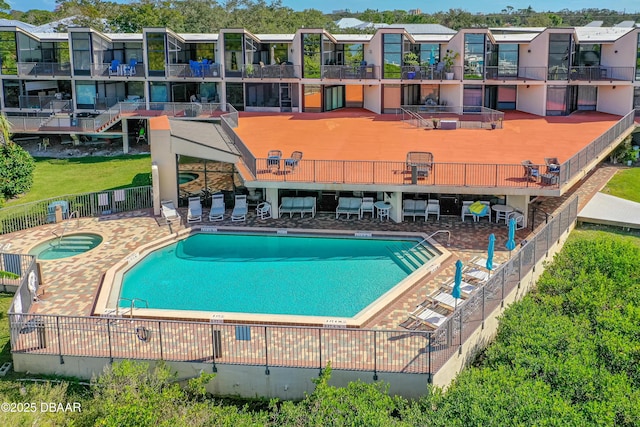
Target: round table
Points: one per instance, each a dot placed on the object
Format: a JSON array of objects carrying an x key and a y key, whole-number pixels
[
  {"x": 502, "y": 212},
  {"x": 383, "y": 209}
]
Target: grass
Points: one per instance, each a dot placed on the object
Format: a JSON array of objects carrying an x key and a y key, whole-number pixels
[
  {"x": 57, "y": 177},
  {"x": 625, "y": 184},
  {"x": 5, "y": 345}
]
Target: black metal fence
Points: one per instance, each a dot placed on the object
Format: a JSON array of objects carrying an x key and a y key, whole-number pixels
[
  {"x": 21, "y": 217},
  {"x": 400, "y": 351}
]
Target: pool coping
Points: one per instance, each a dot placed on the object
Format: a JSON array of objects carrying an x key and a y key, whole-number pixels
[{"x": 107, "y": 294}]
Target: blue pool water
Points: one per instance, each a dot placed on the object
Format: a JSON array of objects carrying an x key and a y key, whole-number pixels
[
  {"x": 267, "y": 274},
  {"x": 70, "y": 245}
]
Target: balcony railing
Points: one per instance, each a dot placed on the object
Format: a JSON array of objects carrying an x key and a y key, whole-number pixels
[
  {"x": 35, "y": 69},
  {"x": 602, "y": 73},
  {"x": 193, "y": 70},
  {"x": 121, "y": 70},
  {"x": 350, "y": 72},
  {"x": 512, "y": 72},
  {"x": 423, "y": 72},
  {"x": 49, "y": 103},
  {"x": 280, "y": 71}
]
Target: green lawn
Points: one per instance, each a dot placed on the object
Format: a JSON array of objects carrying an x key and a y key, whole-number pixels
[
  {"x": 625, "y": 184},
  {"x": 56, "y": 177}
]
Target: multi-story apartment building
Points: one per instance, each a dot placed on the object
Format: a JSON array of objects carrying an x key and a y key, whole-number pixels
[{"x": 84, "y": 82}]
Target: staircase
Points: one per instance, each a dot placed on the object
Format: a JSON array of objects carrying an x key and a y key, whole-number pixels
[{"x": 410, "y": 259}]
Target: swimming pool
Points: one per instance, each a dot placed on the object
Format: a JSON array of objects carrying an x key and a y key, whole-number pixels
[
  {"x": 298, "y": 275},
  {"x": 68, "y": 246}
]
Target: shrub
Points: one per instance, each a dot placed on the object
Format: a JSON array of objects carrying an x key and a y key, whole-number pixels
[{"x": 16, "y": 170}]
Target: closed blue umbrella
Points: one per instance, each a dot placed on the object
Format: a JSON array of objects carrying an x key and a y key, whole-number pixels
[
  {"x": 432, "y": 57},
  {"x": 456, "y": 292},
  {"x": 490, "y": 250},
  {"x": 511, "y": 241}
]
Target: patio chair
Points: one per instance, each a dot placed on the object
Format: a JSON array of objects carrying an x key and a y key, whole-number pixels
[
  {"x": 465, "y": 209},
  {"x": 367, "y": 206},
  {"x": 520, "y": 219},
  {"x": 114, "y": 68},
  {"x": 482, "y": 262},
  {"x": 475, "y": 275},
  {"x": 263, "y": 210},
  {"x": 421, "y": 160},
  {"x": 531, "y": 171},
  {"x": 217, "y": 207},
  {"x": 466, "y": 288},
  {"x": 273, "y": 160},
  {"x": 169, "y": 212},
  {"x": 484, "y": 212},
  {"x": 240, "y": 209},
  {"x": 348, "y": 206},
  {"x": 292, "y": 162},
  {"x": 445, "y": 300},
  {"x": 130, "y": 69},
  {"x": 433, "y": 208},
  {"x": 194, "y": 213},
  {"x": 553, "y": 165}
]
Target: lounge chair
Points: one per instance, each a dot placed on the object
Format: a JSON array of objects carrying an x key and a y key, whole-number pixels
[
  {"x": 466, "y": 288},
  {"x": 194, "y": 213},
  {"x": 169, "y": 212},
  {"x": 217, "y": 207},
  {"x": 349, "y": 206},
  {"x": 476, "y": 275},
  {"x": 446, "y": 300},
  {"x": 433, "y": 208},
  {"x": 240, "y": 209},
  {"x": 367, "y": 206},
  {"x": 263, "y": 210},
  {"x": 428, "y": 317},
  {"x": 482, "y": 262}
]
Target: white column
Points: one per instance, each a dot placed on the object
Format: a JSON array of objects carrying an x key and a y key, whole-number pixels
[
  {"x": 520, "y": 203},
  {"x": 396, "y": 205},
  {"x": 125, "y": 135},
  {"x": 155, "y": 179},
  {"x": 271, "y": 196}
]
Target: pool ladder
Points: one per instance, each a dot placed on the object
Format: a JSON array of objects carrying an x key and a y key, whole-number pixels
[
  {"x": 74, "y": 214},
  {"x": 132, "y": 302}
]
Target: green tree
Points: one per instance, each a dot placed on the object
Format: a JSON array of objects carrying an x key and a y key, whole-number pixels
[{"x": 16, "y": 164}]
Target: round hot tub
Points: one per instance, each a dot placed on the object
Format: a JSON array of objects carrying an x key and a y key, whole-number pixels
[{"x": 68, "y": 246}]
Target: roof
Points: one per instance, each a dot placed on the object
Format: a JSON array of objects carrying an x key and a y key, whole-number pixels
[
  {"x": 276, "y": 37},
  {"x": 16, "y": 23},
  {"x": 433, "y": 38},
  {"x": 515, "y": 37},
  {"x": 203, "y": 133},
  {"x": 125, "y": 37},
  {"x": 197, "y": 37},
  {"x": 600, "y": 34},
  {"x": 353, "y": 38},
  {"x": 424, "y": 28}
]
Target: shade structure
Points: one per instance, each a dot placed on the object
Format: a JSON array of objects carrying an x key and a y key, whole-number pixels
[
  {"x": 456, "y": 292},
  {"x": 511, "y": 241},
  {"x": 490, "y": 250}
]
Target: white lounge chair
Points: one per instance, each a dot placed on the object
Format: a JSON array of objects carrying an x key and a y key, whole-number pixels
[
  {"x": 194, "y": 213},
  {"x": 240, "y": 209},
  {"x": 428, "y": 317},
  {"x": 217, "y": 207},
  {"x": 482, "y": 262},
  {"x": 466, "y": 288},
  {"x": 447, "y": 300},
  {"x": 474, "y": 274},
  {"x": 519, "y": 216},
  {"x": 169, "y": 212}
]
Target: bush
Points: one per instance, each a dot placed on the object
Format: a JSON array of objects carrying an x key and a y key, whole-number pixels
[{"x": 16, "y": 170}]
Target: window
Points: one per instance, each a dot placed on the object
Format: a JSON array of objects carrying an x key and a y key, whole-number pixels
[
  {"x": 156, "y": 53},
  {"x": 8, "y": 52},
  {"x": 587, "y": 55},
  {"x": 429, "y": 53},
  {"x": 638, "y": 60},
  {"x": 232, "y": 53},
  {"x": 81, "y": 45},
  {"x": 311, "y": 55},
  {"x": 471, "y": 98},
  {"x": 556, "y": 100},
  {"x": 507, "y": 60},
  {"x": 474, "y": 56},
  {"x": 392, "y": 51},
  {"x": 559, "y": 54}
]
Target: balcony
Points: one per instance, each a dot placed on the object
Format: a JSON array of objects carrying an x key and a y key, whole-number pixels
[
  {"x": 512, "y": 72},
  {"x": 38, "y": 69},
  {"x": 602, "y": 73},
  {"x": 193, "y": 70},
  {"x": 349, "y": 72},
  {"x": 428, "y": 73},
  {"x": 48, "y": 103},
  {"x": 119, "y": 70},
  {"x": 276, "y": 71}
]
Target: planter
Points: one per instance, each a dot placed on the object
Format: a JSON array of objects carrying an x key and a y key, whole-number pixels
[
  {"x": 448, "y": 76},
  {"x": 493, "y": 125},
  {"x": 411, "y": 74}
]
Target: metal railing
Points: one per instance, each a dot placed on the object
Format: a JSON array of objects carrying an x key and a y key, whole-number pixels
[
  {"x": 23, "y": 298},
  {"x": 513, "y": 72},
  {"x": 21, "y": 217},
  {"x": 23, "y": 123},
  {"x": 601, "y": 73},
  {"x": 281, "y": 71},
  {"x": 418, "y": 72},
  {"x": 414, "y": 119},
  {"x": 194, "y": 70},
  {"x": 414, "y": 352},
  {"x": 468, "y": 117},
  {"x": 50, "y": 103},
  {"x": 35, "y": 69},
  {"x": 350, "y": 72},
  {"x": 229, "y": 122},
  {"x": 17, "y": 264},
  {"x": 121, "y": 70},
  {"x": 580, "y": 160}
]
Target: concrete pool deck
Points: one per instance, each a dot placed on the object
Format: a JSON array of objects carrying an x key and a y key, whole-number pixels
[{"x": 70, "y": 285}]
